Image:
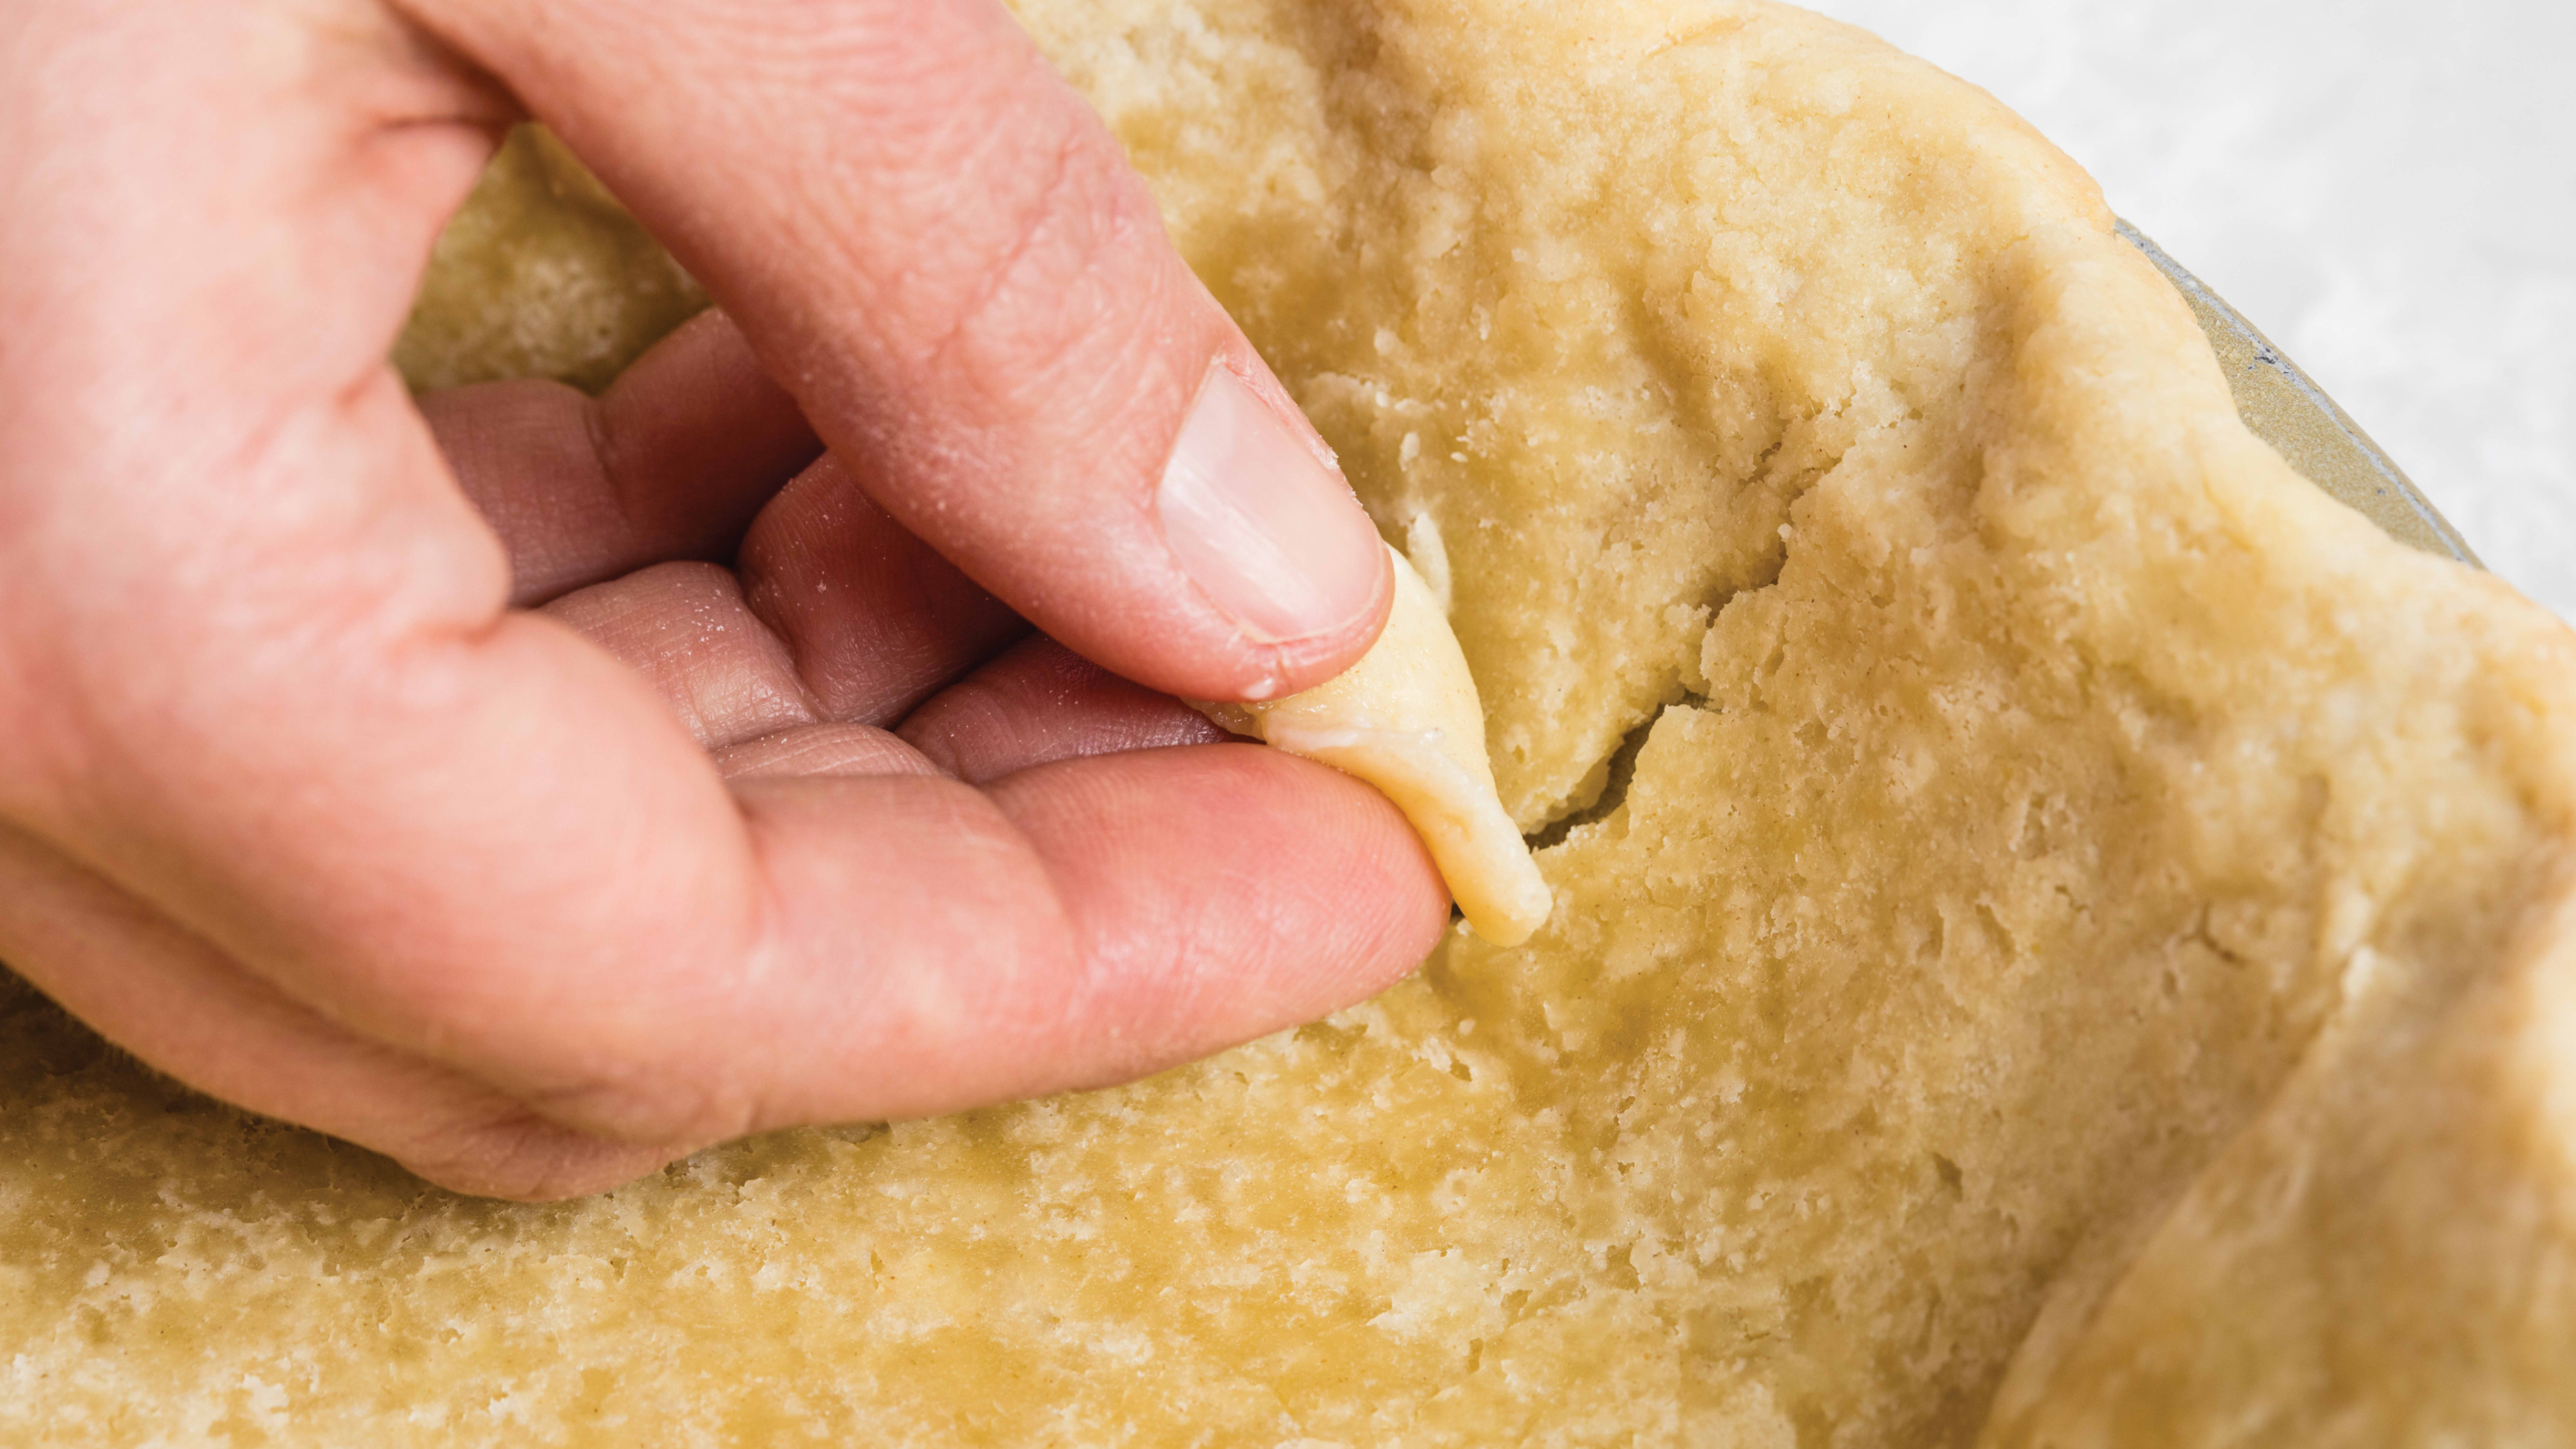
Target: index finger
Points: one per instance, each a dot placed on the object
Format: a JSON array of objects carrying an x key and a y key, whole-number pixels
[{"x": 944, "y": 254}]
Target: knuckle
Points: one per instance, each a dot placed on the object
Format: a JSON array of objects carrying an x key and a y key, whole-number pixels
[{"x": 1068, "y": 260}]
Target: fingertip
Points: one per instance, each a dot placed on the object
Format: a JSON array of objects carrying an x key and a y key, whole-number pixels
[
  {"x": 1259, "y": 517},
  {"x": 1223, "y": 892}
]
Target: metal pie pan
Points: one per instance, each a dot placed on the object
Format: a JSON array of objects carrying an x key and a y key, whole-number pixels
[{"x": 2286, "y": 409}]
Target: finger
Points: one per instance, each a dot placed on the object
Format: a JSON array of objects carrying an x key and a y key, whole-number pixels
[
  {"x": 1041, "y": 702},
  {"x": 672, "y": 463},
  {"x": 826, "y": 749},
  {"x": 1171, "y": 865},
  {"x": 1124, "y": 913},
  {"x": 685, "y": 628},
  {"x": 875, "y": 619},
  {"x": 922, "y": 228},
  {"x": 181, "y": 1007}
]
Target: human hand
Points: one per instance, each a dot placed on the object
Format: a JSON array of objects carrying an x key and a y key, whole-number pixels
[{"x": 504, "y": 782}]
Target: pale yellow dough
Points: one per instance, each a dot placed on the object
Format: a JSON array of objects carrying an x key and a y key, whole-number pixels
[
  {"x": 2074, "y": 949},
  {"x": 1406, "y": 719}
]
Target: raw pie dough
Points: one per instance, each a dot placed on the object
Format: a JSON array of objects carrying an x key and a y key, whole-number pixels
[
  {"x": 2063, "y": 933},
  {"x": 1406, "y": 719}
]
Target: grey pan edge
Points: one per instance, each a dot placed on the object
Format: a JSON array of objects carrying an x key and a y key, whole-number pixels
[{"x": 2286, "y": 409}]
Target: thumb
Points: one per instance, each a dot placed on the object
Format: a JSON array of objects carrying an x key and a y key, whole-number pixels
[{"x": 940, "y": 249}]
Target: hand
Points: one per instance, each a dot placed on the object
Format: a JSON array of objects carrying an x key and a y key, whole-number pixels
[{"x": 504, "y": 782}]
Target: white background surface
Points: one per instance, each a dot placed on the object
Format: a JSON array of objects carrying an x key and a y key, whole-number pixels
[{"x": 2386, "y": 187}]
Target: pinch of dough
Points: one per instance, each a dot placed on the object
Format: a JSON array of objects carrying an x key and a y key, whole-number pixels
[
  {"x": 2068, "y": 864},
  {"x": 1406, "y": 720}
]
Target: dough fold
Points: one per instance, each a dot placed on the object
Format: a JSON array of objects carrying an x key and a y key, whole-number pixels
[{"x": 1406, "y": 720}]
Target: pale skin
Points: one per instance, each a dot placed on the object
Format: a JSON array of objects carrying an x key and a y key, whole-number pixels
[{"x": 537, "y": 789}]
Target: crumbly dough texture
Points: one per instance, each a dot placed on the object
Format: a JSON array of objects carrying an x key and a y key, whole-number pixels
[
  {"x": 1406, "y": 719},
  {"x": 2082, "y": 939}
]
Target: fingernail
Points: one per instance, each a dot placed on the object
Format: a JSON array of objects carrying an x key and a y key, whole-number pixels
[{"x": 1263, "y": 524}]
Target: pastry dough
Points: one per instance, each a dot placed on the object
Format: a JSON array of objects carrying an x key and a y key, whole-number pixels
[
  {"x": 2036, "y": 882},
  {"x": 1405, "y": 719},
  {"x": 2387, "y": 1257}
]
